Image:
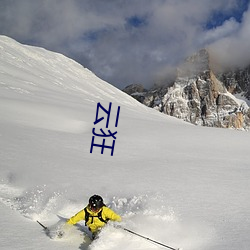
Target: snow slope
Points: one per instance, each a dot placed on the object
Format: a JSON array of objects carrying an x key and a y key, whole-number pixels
[{"x": 173, "y": 182}]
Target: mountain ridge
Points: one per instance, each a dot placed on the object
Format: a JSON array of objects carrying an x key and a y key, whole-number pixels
[{"x": 200, "y": 95}]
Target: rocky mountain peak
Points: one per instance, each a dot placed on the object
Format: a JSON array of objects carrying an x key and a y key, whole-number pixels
[
  {"x": 200, "y": 96},
  {"x": 196, "y": 64}
]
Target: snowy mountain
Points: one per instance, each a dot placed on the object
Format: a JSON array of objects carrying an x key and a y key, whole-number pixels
[
  {"x": 201, "y": 96},
  {"x": 237, "y": 81},
  {"x": 183, "y": 185}
]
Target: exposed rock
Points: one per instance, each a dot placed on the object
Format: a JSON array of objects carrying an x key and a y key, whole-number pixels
[
  {"x": 237, "y": 81},
  {"x": 133, "y": 88},
  {"x": 201, "y": 97},
  {"x": 137, "y": 91}
]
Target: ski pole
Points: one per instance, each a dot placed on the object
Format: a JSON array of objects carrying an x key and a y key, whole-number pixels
[
  {"x": 146, "y": 238},
  {"x": 45, "y": 228}
]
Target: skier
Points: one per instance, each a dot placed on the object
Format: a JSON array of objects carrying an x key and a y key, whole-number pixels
[{"x": 95, "y": 214}]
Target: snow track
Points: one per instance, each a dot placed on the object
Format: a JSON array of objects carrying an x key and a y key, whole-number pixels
[
  {"x": 32, "y": 203},
  {"x": 144, "y": 214}
]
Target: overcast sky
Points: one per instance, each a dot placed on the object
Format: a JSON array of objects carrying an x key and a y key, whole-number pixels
[{"x": 131, "y": 41}]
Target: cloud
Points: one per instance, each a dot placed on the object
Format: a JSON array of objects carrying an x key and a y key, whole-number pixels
[
  {"x": 228, "y": 28},
  {"x": 121, "y": 41},
  {"x": 233, "y": 49}
]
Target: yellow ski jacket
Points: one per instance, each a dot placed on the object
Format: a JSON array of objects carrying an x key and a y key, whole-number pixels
[{"x": 94, "y": 223}]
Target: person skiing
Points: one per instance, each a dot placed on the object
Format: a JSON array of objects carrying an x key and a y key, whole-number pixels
[{"x": 95, "y": 214}]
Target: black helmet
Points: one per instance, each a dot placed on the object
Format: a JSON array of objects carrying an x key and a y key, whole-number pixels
[{"x": 95, "y": 202}]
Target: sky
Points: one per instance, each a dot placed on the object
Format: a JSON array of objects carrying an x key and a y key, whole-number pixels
[{"x": 132, "y": 41}]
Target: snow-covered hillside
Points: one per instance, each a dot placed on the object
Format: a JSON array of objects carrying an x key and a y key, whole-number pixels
[{"x": 179, "y": 184}]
